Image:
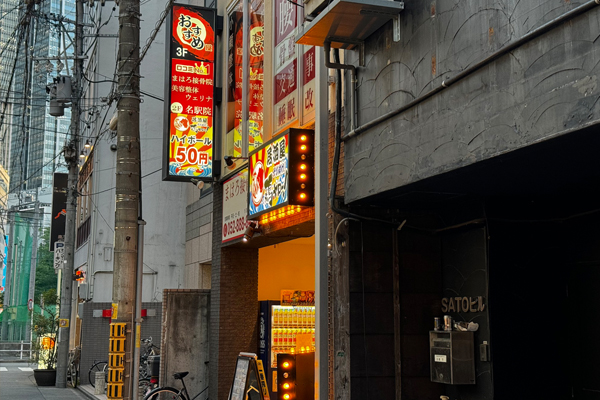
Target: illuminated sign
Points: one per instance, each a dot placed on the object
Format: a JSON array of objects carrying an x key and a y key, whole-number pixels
[
  {"x": 281, "y": 173},
  {"x": 286, "y": 377},
  {"x": 189, "y": 94}
]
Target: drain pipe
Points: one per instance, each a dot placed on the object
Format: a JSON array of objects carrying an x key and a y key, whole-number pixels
[
  {"x": 353, "y": 80},
  {"x": 492, "y": 57}
]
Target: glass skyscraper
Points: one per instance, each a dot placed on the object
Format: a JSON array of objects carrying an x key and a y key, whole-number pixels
[{"x": 37, "y": 137}]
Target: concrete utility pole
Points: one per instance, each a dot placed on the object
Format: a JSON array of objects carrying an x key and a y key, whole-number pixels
[
  {"x": 127, "y": 180},
  {"x": 70, "y": 153}
]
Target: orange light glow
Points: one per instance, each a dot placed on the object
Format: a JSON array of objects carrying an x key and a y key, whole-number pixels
[
  {"x": 302, "y": 176},
  {"x": 286, "y": 385},
  {"x": 303, "y": 138},
  {"x": 303, "y": 147},
  {"x": 302, "y": 167},
  {"x": 286, "y": 396},
  {"x": 286, "y": 364},
  {"x": 302, "y": 196}
]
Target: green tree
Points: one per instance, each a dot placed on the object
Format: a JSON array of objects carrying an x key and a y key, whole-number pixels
[
  {"x": 45, "y": 329},
  {"x": 45, "y": 276}
]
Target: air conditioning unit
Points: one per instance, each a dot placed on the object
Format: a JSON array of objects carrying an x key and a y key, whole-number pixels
[{"x": 347, "y": 23}]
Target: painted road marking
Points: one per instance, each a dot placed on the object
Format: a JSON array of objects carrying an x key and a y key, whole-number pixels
[
  {"x": 25, "y": 369},
  {"x": 3, "y": 369}
]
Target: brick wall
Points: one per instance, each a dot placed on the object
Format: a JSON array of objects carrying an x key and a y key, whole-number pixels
[
  {"x": 95, "y": 334},
  {"x": 234, "y": 305}
]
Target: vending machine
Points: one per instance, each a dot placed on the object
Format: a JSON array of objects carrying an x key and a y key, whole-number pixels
[{"x": 284, "y": 328}]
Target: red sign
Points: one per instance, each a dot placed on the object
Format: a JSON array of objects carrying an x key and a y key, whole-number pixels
[
  {"x": 191, "y": 93},
  {"x": 194, "y": 34}
]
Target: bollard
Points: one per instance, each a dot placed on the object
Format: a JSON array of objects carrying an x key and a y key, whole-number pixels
[{"x": 100, "y": 382}]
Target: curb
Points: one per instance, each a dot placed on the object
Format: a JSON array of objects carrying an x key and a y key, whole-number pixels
[{"x": 89, "y": 394}]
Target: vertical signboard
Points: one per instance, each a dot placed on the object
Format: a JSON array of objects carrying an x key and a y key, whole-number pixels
[
  {"x": 285, "y": 107},
  {"x": 189, "y": 94},
  {"x": 235, "y": 206},
  {"x": 59, "y": 207},
  {"x": 308, "y": 85},
  {"x": 256, "y": 76}
]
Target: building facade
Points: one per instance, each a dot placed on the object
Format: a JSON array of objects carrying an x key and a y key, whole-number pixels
[{"x": 468, "y": 192}]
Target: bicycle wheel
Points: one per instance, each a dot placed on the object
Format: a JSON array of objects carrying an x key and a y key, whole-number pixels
[
  {"x": 164, "y": 393},
  {"x": 97, "y": 367},
  {"x": 145, "y": 387},
  {"x": 72, "y": 375}
]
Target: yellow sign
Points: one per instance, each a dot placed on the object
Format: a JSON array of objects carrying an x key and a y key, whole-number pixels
[
  {"x": 115, "y": 310},
  {"x": 263, "y": 379},
  {"x": 63, "y": 323}
]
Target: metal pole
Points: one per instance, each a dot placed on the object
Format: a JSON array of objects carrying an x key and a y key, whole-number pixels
[
  {"x": 138, "y": 311},
  {"x": 70, "y": 153},
  {"x": 128, "y": 179},
  {"x": 321, "y": 260}
]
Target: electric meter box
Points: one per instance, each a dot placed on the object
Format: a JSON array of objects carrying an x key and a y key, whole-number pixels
[{"x": 452, "y": 357}]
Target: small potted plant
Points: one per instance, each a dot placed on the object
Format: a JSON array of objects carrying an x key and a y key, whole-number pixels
[{"x": 45, "y": 331}]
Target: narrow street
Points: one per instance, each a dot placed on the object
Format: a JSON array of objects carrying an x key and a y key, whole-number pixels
[{"x": 17, "y": 382}]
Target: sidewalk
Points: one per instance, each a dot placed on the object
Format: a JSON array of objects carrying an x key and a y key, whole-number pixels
[
  {"x": 17, "y": 382},
  {"x": 88, "y": 392}
]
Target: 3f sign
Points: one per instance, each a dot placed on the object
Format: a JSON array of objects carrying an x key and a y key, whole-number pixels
[{"x": 181, "y": 52}]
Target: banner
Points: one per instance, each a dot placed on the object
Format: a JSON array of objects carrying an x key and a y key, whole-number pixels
[{"x": 189, "y": 104}]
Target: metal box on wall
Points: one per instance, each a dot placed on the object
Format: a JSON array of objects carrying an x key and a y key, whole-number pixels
[{"x": 452, "y": 357}]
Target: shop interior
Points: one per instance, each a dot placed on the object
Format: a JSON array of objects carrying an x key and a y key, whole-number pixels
[{"x": 286, "y": 284}]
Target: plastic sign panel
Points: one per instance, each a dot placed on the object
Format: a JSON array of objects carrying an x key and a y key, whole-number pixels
[
  {"x": 235, "y": 206},
  {"x": 285, "y": 96},
  {"x": 308, "y": 81},
  {"x": 189, "y": 94},
  {"x": 282, "y": 173}
]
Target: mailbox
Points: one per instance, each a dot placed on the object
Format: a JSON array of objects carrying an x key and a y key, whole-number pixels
[{"x": 452, "y": 357}]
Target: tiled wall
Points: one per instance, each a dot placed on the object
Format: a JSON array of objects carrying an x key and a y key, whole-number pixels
[
  {"x": 198, "y": 236},
  {"x": 95, "y": 334}
]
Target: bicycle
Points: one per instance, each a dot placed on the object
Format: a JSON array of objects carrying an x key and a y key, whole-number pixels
[
  {"x": 73, "y": 368},
  {"x": 170, "y": 393},
  {"x": 149, "y": 350},
  {"x": 98, "y": 366}
]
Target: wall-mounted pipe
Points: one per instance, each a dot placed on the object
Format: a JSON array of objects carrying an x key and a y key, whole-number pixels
[
  {"x": 446, "y": 83},
  {"x": 352, "y": 68}
]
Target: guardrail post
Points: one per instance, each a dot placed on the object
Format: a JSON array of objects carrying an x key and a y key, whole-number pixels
[{"x": 21, "y": 352}]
